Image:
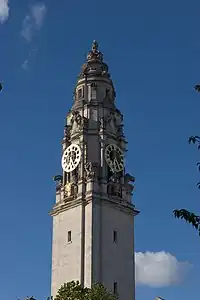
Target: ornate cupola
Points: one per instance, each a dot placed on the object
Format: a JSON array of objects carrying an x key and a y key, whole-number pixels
[
  {"x": 93, "y": 72},
  {"x": 94, "y": 65}
]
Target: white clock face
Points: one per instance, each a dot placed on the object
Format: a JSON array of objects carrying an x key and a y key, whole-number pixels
[
  {"x": 114, "y": 157},
  {"x": 71, "y": 158}
]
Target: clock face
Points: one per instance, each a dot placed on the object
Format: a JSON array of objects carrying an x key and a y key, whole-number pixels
[
  {"x": 114, "y": 157},
  {"x": 71, "y": 158}
]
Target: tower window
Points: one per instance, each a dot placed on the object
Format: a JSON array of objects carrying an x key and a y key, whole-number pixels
[
  {"x": 115, "y": 287},
  {"x": 114, "y": 236},
  {"x": 69, "y": 236},
  {"x": 80, "y": 93}
]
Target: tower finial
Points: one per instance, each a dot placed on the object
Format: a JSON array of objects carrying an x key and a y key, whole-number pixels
[
  {"x": 95, "y": 45},
  {"x": 94, "y": 63}
]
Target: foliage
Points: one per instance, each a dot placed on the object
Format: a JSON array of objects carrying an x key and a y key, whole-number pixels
[
  {"x": 191, "y": 217},
  {"x": 74, "y": 291},
  {"x": 71, "y": 291},
  {"x": 99, "y": 292}
]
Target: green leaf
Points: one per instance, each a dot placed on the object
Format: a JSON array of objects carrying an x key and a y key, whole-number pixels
[{"x": 189, "y": 217}]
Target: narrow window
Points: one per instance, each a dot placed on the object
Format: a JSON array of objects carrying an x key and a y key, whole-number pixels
[
  {"x": 69, "y": 237},
  {"x": 115, "y": 288},
  {"x": 80, "y": 93},
  {"x": 94, "y": 92},
  {"x": 114, "y": 236}
]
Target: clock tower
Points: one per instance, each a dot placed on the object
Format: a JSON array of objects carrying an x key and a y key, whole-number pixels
[{"x": 93, "y": 217}]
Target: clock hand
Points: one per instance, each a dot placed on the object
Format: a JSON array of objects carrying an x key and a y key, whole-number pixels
[
  {"x": 71, "y": 162},
  {"x": 116, "y": 161}
]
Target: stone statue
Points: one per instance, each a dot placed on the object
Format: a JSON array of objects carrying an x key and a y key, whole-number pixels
[
  {"x": 67, "y": 131},
  {"x": 111, "y": 120},
  {"x": 74, "y": 190},
  {"x": 67, "y": 190},
  {"x": 76, "y": 117},
  {"x": 88, "y": 170},
  {"x": 81, "y": 121},
  {"x": 95, "y": 54},
  {"x": 91, "y": 170},
  {"x": 114, "y": 189},
  {"x": 114, "y": 178},
  {"x": 120, "y": 130},
  {"x": 101, "y": 123}
]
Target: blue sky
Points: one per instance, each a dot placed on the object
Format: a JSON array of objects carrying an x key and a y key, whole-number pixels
[{"x": 152, "y": 49}]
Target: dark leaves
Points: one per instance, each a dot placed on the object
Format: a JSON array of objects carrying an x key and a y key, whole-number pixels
[
  {"x": 197, "y": 87},
  {"x": 189, "y": 217},
  {"x": 194, "y": 139}
]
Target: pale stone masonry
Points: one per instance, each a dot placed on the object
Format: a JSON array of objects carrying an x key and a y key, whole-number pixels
[{"x": 93, "y": 218}]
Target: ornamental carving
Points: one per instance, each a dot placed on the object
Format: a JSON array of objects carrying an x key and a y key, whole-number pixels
[
  {"x": 81, "y": 121},
  {"x": 94, "y": 63},
  {"x": 91, "y": 170},
  {"x": 120, "y": 130},
  {"x": 71, "y": 190},
  {"x": 95, "y": 54},
  {"x": 115, "y": 177},
  {"x": 76, "y": 117},
  {"x": 115, "y": 190},
  {"x": 67, "y": 132},
  {"x": 67, "y": 190},
  {"x": 74, "y": 190}
]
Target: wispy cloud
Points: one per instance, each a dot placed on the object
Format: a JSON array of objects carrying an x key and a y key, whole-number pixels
[
  {"x": 159, "y": 269},
  {"x": 31, "y": 25},
  {"x": 4, "y": 10},
  {"x": 33, "y": 21}
]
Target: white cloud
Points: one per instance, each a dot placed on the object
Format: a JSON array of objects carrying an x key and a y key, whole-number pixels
[
  {"x": 159, "y": 269},
  {"x": 4, "y": 10},
  {"x": 25, "y": 65},
  {"x": 33, "y": 21},
  {"x": 31, "y": 25},
  {"x": 38, "y": 13}
]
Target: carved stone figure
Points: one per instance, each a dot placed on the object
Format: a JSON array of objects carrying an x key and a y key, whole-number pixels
[
  {"x": 81, "y": 121},
  {"x": 74, "y": 178},
  {"x": 91, "y": 170},
  {"x": 74, "y": 190},
  {"x": 117, "y": 190},
  {"x": 110, "y": 120},
  {"x": 115, "y": 177},
  {"x": 67, "y": 190},
  {"x": 76, "y": 117},
  {"x": 120, "y": 130},
  {"x": 101, "y": 123},
  {"x": 114, "y": 189},
  {"x": 67, "y": 132},
  {"x": 84, "y": 123},
  {"x": 95, "y": 54}
]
